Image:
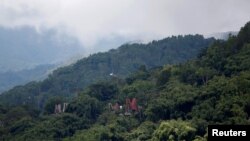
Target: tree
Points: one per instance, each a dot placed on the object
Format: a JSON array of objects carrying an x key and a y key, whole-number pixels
[
  {"x": 85, "y": 106},
  {"x": 204, "y": 74},
  {"x": 174, "y": 130},
  {"x": 103, "y": 91},
  {"x": 164, "y": 76}
]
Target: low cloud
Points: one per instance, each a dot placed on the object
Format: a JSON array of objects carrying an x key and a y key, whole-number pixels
[{"x": 94, "y": 20}]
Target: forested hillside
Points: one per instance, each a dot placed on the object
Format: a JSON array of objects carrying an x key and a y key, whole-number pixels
[
  {"x": 119, "y": 62},
  {"x": 173, "y": 102}
]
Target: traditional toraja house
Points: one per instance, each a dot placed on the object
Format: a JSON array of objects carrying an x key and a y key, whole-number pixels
[
  {"x": 116, "y": 107},
  {"x": 133, "y": 105},
  {"x": 130, "y": 107},
  {"x": 59, "y": 109},
  {"x": 65, "y": 105}
]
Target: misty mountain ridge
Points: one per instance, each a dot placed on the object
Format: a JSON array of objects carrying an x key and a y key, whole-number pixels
[
  {"x": 28, "y": 55},
  {"x": 222, "y": 35},
  {"x": 33, "y": 49},
  {"x": 25, "y": 48},
  {"x": 10, "y": 79},
  {"x": 68, "y": 80}
]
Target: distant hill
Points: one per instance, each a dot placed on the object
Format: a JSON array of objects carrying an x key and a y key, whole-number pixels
[
  {"x": 10, "y": 79},
  {"x": 121, "y": 62},
  {"x": 25, "y": 48}
]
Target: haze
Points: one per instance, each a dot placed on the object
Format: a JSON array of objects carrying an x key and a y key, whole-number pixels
[{"x": 92, "y": 21}]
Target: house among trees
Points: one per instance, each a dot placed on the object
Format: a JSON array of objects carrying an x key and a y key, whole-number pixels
[
  {"x": 131, "y": 107},
  {"x": 60, "y": 109}
]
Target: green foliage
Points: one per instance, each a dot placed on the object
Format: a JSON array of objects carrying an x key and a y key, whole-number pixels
[
  {"x": 143, "y": 132},
  {"x": 175, "y": 101},
  {"x": 244, "y": 35},
  {"x": 164, "y": 76},
  {"x": 103, "y": 91},
  {"x": 95, "y": 133},
  {"x": 224, "y": 101},
  {"x": 187, "y": 74},
  {"x": 113, "y": 131},
  {"x": 54, "y": 128},
  {"x": 140, "y": 74},
  {"x": 174, "y": 130},
  {"x": 85, "y": 106},
  {"x": 107, "y": 118},
  {"x": 198, "y": 138},
  {"x": 20, "y": 95},
  {"x": 21, "y": 125},
  {"x": 15, "y": 114},
  {"x": 238, "y": 62},
  {"x": 138, "y": 89}
]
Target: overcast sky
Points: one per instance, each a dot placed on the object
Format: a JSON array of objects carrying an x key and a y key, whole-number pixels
[{"x": 94, "y": 20}]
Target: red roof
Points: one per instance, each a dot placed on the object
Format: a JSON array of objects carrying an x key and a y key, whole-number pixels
[{"x": 133, "y": 104}]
